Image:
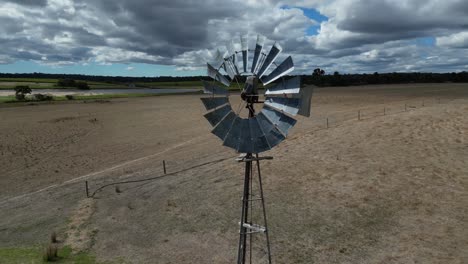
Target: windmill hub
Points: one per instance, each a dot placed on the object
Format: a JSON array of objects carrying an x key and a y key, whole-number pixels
[{"x": 250, "y": 93}]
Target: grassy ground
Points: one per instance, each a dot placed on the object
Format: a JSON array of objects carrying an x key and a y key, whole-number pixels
[
  {"x": 186, "y": 84},
  {"x": 38, "y": 83},
  {"x": 6, "y": 99},
  {"x": 35, "y": 255},
  {"x": 34, "y": 83},
  {"x": 170, "y": 84},
  {"x": 12, "y": 99}
]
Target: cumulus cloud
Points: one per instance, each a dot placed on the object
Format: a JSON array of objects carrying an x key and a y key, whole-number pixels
[
  {"x": 359, "y": 35},
  {"x": 457, "y": 40}
]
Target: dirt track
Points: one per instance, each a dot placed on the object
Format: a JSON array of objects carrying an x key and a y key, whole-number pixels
[{"x": 386, "y": 189}]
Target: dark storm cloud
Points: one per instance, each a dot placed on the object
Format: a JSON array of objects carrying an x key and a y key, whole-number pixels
[
  {"x": 360, "y": 35},
  {"x": 28, "y": 2},
  {"x": 385, "y": 17},
  {"x": 354, "y": 23},
  {"x": 178, "y": 25}
]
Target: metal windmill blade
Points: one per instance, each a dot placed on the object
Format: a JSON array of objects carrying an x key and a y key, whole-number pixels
[
  {"x": 285, "y": 97},
  {"x": 261, "y": 130}
]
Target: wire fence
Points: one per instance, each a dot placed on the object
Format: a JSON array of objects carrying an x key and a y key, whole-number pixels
[
  {"x": 363, "y": 113},
  {"x": 319, "y": 123}
]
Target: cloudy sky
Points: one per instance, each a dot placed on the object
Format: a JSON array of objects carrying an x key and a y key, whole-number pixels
[{"x": 177, "y": 37}]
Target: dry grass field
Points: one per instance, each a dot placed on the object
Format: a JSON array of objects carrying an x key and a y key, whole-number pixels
[{"x": 387, "y": 188}]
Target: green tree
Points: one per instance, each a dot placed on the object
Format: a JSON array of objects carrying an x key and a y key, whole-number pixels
[
  {"x": 317, "y": 76},
  {"x": 82, "y": 85},
  {"x": 66, "y": 83},
  {"x": 21, "y": 91}
]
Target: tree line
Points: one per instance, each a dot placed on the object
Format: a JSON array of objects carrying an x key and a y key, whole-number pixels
[{"x": 317, "y": 77}]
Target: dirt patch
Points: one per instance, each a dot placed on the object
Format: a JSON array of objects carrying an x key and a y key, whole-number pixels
[
  {"x": 62, "y": 119},
  {"x": 79, "y": 233},
  {"x": 390, "y": 188}
]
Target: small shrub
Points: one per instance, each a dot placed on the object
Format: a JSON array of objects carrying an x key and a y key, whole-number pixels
[
  {"x": 82, "y": 85},
  {"x": 69, "y": 97},
  {"x": 53, "y": 237},
  {"x": 50, "y": 253},
  {"x": 66, "y": 83},
  {"x": 21, "y": 91},
  {"x": 43, "y": 97}
]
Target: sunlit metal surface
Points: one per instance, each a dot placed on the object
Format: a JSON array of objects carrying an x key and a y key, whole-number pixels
[
  {"x": 245, "y": 51},
  {"x": 272, "y": 134},
  {"x": 305, "y": 96},
  {"x": 232, "y": 56},
  {"x": 258, "y": 51},
  {"x": 288, "y": 105},
  {"x": 280, "y": 120},
  {"x": 233, "y": 137},
  {"x": 210, "y": 88},
  {"x": 224, "y": 125},
  {"x": 260, "y": 143},
  {"x": 291, "y": 86},
  {"x": 270, "y": 58},
  {"x": 284, "y": 68},
  {"x": 271, "y": 125},
  {"x": 213, "y": 102},
  {"x": 217, "y": 115},
  {"x": 218, "y": 59},
  {"x": 230, "y": 69},
  {"x": 215, "y": 74},
  {"x": 245, "y": 141}
]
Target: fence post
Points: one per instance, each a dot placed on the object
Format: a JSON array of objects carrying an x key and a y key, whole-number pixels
[
  {"x": 327, "y": 122},
  {"x": 164, "y": 166},
  {"x": 359, "y": 115},
  {"x": 423, "y": 103},
  {"x": 405, "y": 107},
  {"x": 87, "y": 191},
  {"x": 384, "y": 110}
]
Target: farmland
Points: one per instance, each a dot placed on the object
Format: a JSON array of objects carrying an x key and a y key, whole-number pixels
[{"x": 384, "y": 183}]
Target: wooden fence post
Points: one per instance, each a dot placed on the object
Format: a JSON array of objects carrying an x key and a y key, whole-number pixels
[
  {"x": 87, "y": 191},
  {"x": 164, "y": 166},
  {"x": 359, "y": 115},
  {"x": 327, "y": 122}
]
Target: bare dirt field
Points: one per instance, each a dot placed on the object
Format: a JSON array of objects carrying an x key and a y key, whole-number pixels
[{"x": 391, "y": 187}]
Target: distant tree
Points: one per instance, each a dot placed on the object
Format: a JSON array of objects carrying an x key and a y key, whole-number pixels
[
  {"x": 21, "y": 91},
  {"x": 336, "y": 79},
  {"x": 82, "y": 85},
  {"x": 317, "y": 77},
  {"x": 375, "y": 78},
  {"x": 72, "y": 83},
  {"x": 66, "y": 83},
  {"x": 318, "y": 72}
]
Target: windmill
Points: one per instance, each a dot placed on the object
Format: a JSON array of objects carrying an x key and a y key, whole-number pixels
[{"x": 261, "y": 130}]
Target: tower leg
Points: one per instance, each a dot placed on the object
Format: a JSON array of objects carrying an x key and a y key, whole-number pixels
[
  {"x": 264, "y": 210},
  {"x": 247, "y": 227},
  {"x": 245, "y": 212}
]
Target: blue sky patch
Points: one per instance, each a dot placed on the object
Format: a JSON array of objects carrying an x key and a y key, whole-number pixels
[
  {"x": 426, "y": 41},
  {"x": 311, "y": 13}
]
